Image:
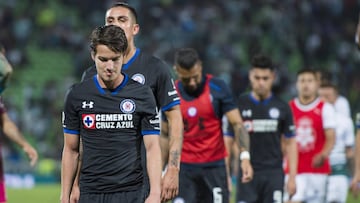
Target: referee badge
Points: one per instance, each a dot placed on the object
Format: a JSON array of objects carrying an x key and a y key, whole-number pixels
[{"x": 127, "y": 106}]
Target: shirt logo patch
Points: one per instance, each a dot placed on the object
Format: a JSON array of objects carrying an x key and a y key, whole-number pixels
[
  {"x": 127, "y": 106},
  {"x": 89, "y": 105},
  {"x": 88, "y": 121},
  {"x": 246, "y": 113},
  {"x": 192, "y": 111},
  {"x": 140, "y": 78},
  {"x": 274, "y": 113}
]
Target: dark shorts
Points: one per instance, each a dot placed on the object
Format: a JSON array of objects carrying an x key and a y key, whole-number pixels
[
  {"x": 202, "y": 184},
  {"x": 266, "y": 186},
  {"x": 117, "y": 197}
]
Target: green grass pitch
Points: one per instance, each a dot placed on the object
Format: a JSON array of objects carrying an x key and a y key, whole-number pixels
[{"x": 51, "y": 194}]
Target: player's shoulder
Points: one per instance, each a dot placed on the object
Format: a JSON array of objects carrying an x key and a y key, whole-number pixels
[
  {"x": 136, "y": 86},
  {"x": 151, "y": 60},
  {"x": 217, "y": 84},
  {"x": 278, "y": 101}
]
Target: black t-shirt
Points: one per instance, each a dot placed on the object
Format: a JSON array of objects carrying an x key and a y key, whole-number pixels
[
  {"x": 151, "y": 71},
  {"x": 266, "y": 121},
  {"x": 111, "y": 125}
]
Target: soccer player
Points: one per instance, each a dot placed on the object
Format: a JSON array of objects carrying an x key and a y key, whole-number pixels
[
  {"x": 151, "y": 71},
  {"x": 204, "y": 100},
  {"x": 355, "y": 184},
  {"x": 314, "y": 127},
  {"x": 112, "y": 114},
  {"x": 5, "y": 70},
  {"x": 268, "y": 120},
  {"x": 10, "y": 129},
  {"x": 338, "y": 181}
]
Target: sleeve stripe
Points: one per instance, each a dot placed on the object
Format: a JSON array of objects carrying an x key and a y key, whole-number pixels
[
  {"x": 75, "y": 132},
  {"x": 150, "y": 132},
  {"x": 169, "y": 106},
  {"x": 289, "y": 135}
]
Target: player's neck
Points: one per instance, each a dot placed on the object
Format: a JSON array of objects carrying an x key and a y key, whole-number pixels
[
  {"x": 259, "y": 97},
  {"x": 130, "y": 52},
  {"x": 111, "y": 85},
  {"x": 305, "y": 100}
]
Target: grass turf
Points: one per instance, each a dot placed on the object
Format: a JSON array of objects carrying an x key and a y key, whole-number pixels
[{"x": 50, "y": 194}]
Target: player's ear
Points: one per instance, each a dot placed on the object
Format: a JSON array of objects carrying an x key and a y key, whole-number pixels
[
  {"x": 93, "y": 55},
  {"x": 136, "y": 29}
]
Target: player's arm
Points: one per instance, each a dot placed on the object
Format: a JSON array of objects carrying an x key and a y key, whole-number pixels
[
  {"x": 14, "y": 134},
  {"x": 356, "y": 179},
  {"x": 290, "y": 146},
  {"x": 357, "y": 35},
  {"x": 69, "y": 165},
  {"x": 175, "y": 127},
  {"x": 325, "y": 152},
  {"x": 164, "y": 142},
  {"x": 174, "y": 130},
  {"x": 329, "y": 123},
  {"x": 243, "y": 141},
  {"x": 153, "y": 164}
]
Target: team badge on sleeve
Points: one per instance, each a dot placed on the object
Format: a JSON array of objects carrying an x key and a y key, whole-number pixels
[
  {"x": 127, "y": 106},
  {"x": 139, "y": 78},
  {"x": 88, "y": 121}
]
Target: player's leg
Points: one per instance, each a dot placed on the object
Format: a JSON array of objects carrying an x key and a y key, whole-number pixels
[
  {"x": 187, "y": 184},
  {"x": 215, "y": 187},
  {"x": 247, "y": 192},
  {"x": 273, "y": 187},
  {"x": 317, "y": 188},
  {"x": 337, "y": 189}
]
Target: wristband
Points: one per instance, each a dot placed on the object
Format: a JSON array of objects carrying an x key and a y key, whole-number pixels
[{"x": 244, "y": 155}]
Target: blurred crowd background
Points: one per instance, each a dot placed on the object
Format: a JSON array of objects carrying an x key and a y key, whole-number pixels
[{"x": 46, "y": 41}]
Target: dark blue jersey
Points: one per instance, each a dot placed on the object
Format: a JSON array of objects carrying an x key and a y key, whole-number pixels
[
  {"x": 222, "y": 98},
  {"x": 151, "y": 71},
  {"x": 111, "y": 125},
  {"x": 266, "y": 121}
]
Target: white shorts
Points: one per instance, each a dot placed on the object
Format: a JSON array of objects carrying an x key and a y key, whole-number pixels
[
  {"x": 337, "y": 188},
  {"x": 310, "y": 188}
]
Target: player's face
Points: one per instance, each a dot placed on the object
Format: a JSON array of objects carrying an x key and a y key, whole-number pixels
[
  {"x": 307, "y": 85},
  {"x": 261, "y": 81},
  {"x": 122, "y": 17},
  {"x": 108, "y": 63},
  {"x": 327, "y": 94},
  {"x": 191, "y": 79}
]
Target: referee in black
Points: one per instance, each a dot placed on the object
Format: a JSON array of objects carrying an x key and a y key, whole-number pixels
[
  {"x": 112, "y": 114},
  {"x": 268, "y": 121}
]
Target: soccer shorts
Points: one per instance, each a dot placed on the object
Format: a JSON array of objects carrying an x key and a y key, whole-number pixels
[
  {"x": 116, "y": 197},
  {"x": 310, "y": 188},
  {"x": 266, "y": 186},
  {"x": 202, "y": 184},
  {"x": 337, "y": 188}
]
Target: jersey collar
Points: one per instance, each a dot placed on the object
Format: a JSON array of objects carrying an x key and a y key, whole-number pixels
[{"x": 132, "y": 59}]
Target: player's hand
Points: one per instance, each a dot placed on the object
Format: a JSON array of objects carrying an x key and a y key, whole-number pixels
[
  {"x": 247, "y": 171},
  {"x": 153, "y": 198},
  {"x": 170, "y": 184},
  {"x": 75, "y": 194},
  {"x": 291, "y": 187},
  {"x": 354, "y": 186},
  {"x": 32, "y": 154},
  {"x": 318, "y": 160}
]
